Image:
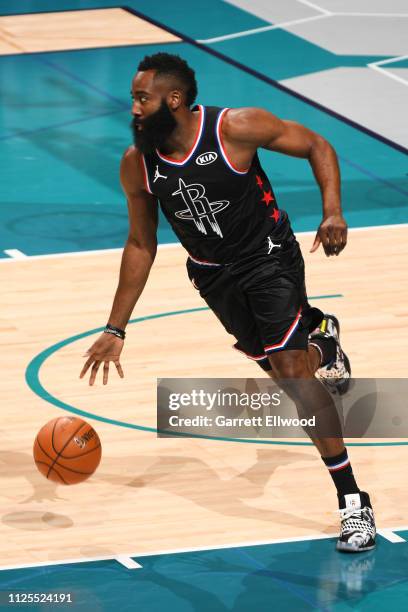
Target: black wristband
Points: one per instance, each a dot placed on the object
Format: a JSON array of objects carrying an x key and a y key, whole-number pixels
[{"x": 115, "y": 331}]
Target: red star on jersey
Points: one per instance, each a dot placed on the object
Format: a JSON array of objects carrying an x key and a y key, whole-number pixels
[
  {"x": 259, "y": 181},
  {"x": 268, "y": 197},
  {"x": 275, "y": 215}
]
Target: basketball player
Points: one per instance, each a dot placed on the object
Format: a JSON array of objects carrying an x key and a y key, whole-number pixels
[{"x": 201, "y": 164}]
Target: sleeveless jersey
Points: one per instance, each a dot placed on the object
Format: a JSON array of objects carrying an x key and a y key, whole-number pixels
[{"x": 219, "y": 213}]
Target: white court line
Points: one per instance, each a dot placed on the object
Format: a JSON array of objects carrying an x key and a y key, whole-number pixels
[
  {"x": 58, "y": 562},
  {"x": 390, "y": 60},
  {"x": 78, "y": 253},
  {"x": 370, "y": 14},
  {"x": 174, "y": 551},
  {"x": 275, "y": 26},
  {"x": 314, "y": 6},
  {"x": 285, "y": 24},
  {"x": 389, "y": 535},
  {"x": 172, "y": 245},
  {"x": 128, "y": 562},
  {"x": 377, "y": 66},
  {"x": 15, "y": 253},
  {"x": 390, "y": 75}
]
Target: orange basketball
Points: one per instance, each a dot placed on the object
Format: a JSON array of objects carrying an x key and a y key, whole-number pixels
[{"x": 67, "y": 450}]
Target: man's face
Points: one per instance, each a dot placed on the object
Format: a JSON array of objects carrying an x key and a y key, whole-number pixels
[{"x": 153, "y": 122}]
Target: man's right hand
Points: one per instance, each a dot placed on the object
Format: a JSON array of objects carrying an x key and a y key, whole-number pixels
[
  {"x": 137, "y": 259},
  {"x": 107, "y": 348}
]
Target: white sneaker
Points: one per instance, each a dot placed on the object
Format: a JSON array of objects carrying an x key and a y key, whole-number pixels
[
  {"x": 358, "y": 531},
  {"x": 336, "y": 374}
]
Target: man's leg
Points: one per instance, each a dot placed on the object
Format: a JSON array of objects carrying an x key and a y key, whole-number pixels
[
  {"x": 315, "y": 358},
  {"x": 295, "y": 369},
  {"x": 232, "y": 306}
]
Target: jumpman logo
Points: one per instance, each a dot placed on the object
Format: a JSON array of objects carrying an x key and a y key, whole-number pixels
[
  {"x": 198, "y": 207},
  {"x": 271, "y": 245},
  {"x": 157, "y": 175}
]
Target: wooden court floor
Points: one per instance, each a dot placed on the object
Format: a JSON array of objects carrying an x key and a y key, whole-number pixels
[{"x": 156, "y": 494}]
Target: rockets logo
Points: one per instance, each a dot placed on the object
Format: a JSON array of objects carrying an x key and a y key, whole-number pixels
[{"x": 199, "y": 208}]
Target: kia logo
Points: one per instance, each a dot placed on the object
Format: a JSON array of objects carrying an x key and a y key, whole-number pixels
[{"x": 206, "y": 158}]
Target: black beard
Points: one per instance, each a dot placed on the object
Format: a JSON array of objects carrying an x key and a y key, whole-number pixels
[{"x": 156, "y": 129}]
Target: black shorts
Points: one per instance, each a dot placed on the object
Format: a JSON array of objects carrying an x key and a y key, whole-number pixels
[{"x": 261, "y": 300}]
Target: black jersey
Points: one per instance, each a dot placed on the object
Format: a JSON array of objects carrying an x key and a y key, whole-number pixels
[{"x": 219, "y": 213}]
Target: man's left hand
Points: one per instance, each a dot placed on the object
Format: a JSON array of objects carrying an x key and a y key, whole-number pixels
[{"x": 332, "y": 234}]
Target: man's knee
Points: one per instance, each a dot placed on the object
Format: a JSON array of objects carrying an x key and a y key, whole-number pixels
[{"x": 290, "y": 364}]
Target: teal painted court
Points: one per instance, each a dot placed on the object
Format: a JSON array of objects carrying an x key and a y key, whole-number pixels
[
  {"x": 64, "y": 125},
  {"x": 69, "y": 112},
  {"x": 303, "y": 575}
]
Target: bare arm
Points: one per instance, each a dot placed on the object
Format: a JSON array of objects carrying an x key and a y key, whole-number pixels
[
  {"x": 141, "y": 245},
  {"x": 251, "y": 128},
  {"x": 137, "y": 259}
]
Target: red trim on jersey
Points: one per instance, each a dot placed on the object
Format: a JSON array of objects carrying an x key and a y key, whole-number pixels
[
  {"x": 253, "y": 357},
  {"x": 145, "y": 175},
  {"x": 198, "y": 134},
  {"x": 221, "y": 119},
  {"x": 271, "y": 347},
  {"x": 204, "y": 262}
]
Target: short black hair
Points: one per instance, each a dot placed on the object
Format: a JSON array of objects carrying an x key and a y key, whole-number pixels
[{"x": 173, "y": 65}]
